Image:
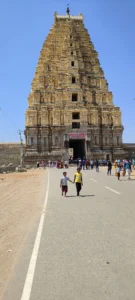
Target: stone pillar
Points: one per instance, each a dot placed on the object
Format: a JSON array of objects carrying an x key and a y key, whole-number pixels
[
  {"x": 50, "y": 139},
  {"x": 66, "y": 144},
  {"x": 66, "y": 141},
  {"x": 86, "y": 147},
  {"x": 39, "y": 141}
]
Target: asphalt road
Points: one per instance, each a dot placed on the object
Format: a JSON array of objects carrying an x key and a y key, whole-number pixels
[{"x": 86, "y": 244}]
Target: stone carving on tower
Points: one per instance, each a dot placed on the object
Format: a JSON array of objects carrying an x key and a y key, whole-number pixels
[{"x": 69, "y": 100}]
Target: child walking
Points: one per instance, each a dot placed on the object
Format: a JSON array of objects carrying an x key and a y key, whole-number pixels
[
  {"x": 78, "y": 180},
  {"x": 63, "y": 183},
  {"x": 118, "y": 172}
]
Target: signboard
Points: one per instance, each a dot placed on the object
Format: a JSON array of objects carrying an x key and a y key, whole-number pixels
[{"x": 77, "y": 136}]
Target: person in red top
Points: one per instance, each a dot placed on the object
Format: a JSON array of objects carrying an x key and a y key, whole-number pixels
[{"x": 87, "y": 164}]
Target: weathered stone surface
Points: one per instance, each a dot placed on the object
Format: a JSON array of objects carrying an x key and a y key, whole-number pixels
[
  {"x": 9, "y": 154},
  {"x": 69, "y": 69}
]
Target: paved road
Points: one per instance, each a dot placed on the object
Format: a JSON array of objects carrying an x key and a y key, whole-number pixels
[{"x": 87, "y": 246}]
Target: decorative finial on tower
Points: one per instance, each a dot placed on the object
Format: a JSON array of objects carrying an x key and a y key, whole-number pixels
[{"x": 68, "y": 10}]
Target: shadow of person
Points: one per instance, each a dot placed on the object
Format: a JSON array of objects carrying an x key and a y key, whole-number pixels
[
  {"x": 70, "y": 196},
  {"x": 87, "y": 195},
  {"x": 80, "y": 196}
]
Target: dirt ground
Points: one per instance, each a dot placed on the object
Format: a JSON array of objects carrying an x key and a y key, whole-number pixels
[{"x": 21, "y": 199}]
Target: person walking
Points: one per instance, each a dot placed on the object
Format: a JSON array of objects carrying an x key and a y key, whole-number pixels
[
  {"x": 63, "y": 183},
  {"x": 109, "y": 164},
  {"x": 78, "y": 179},
  {"x": 92, "y": 164},
  {"x": 66, "y": 164},
  {"x": 115, "y": 166},
  {"x": 84, "y": 164},
  {"x": 118, "y": 172},
  {"x": 97, "y": 165},
  {"x": 127, "y": 168},
  {"x": 87, "y": 164}
]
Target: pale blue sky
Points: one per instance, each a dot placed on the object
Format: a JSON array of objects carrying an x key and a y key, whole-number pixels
[{"x": 24, "y": 26}]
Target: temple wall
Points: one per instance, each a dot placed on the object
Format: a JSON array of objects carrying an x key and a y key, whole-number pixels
[
  {"x": 9, "y": 153},
  {"x": 69, "y": 80}
]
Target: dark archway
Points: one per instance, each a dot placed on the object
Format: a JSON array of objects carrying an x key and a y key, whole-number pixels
[{"x": 78, "y": 147}]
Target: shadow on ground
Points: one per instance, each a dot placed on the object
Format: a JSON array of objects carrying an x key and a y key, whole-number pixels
[{"x": 80, "y": 196}]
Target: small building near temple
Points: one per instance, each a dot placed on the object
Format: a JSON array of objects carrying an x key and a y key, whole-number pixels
[{"x": 70, "y": 108}]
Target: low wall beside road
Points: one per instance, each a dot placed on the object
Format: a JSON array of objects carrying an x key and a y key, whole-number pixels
[{"x": 9, "y": 153}]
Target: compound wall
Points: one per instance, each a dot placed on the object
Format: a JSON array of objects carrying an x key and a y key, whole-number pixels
[{"x": 9, "y": 153}]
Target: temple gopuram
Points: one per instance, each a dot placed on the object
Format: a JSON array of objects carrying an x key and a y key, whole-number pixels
[{"x": 70, "y": 108}]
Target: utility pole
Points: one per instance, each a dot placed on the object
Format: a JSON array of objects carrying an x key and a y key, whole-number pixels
[
  {"x": 68, "y": 10},
  {"x": 21, "y": 149}
]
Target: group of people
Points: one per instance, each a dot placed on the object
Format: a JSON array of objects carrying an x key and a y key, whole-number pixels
[
  {"x": 42, "y": 164},
  {"x": 117, "y": 169},
  {"x": 59, "y": 164},
  {"x": 78, "y": 180},
  {"x": 125, "y": 167},
  {"x": 86, "y": 164}
]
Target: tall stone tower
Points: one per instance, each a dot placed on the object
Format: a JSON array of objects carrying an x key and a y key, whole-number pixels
[{"x": 70, "y": 110}]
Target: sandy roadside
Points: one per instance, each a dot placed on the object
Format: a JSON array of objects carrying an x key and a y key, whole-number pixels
[{"x": 21, "y": 199}]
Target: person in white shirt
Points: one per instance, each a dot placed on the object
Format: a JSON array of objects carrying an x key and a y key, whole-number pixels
[{"x": 64, "y": 183}]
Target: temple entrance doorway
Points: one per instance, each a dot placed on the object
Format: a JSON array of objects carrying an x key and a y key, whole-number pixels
[{"x": 78, "y": 147}]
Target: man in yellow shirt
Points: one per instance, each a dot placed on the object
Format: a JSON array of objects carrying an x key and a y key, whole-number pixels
[{"x": 78, "y": 180}]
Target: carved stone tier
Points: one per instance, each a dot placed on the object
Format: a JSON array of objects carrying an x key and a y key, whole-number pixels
[{"x": 70, "y": 95}]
